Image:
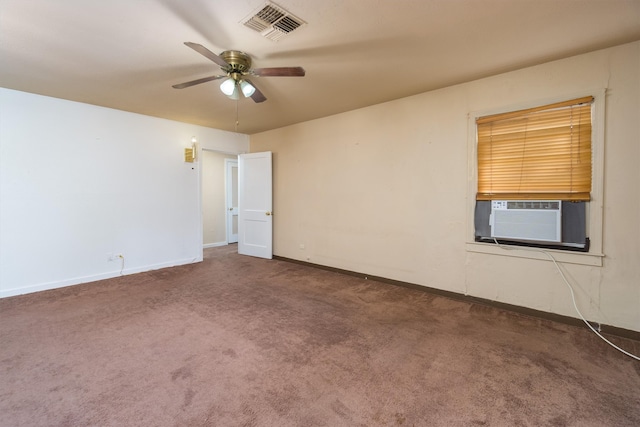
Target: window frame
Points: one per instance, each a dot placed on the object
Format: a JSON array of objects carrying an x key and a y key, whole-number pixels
[{"x": 594, "y": 208}]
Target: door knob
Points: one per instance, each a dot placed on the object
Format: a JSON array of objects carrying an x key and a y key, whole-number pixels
[
  {"x": 230, "y": 209},
  {"x": 267, "y": 213}
]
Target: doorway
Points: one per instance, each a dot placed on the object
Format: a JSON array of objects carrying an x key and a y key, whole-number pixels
[
  {"x": 231, "y": 190},
  {"x": 214, "y": 198}
]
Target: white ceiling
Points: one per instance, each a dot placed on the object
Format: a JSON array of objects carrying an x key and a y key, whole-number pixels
[{"x": 126, "y": 54}]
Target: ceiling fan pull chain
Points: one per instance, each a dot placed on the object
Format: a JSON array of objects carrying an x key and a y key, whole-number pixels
[{"x": 237, "y": 120}]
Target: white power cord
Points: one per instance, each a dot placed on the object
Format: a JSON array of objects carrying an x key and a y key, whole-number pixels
[
  {"x": 573, "y": 298},
  {"x": 122, "y": 264}
]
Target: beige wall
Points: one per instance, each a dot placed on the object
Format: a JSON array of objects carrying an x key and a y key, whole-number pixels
[
  {"x": 213, "y": 197},
  {"x": 388, "y": 191}
]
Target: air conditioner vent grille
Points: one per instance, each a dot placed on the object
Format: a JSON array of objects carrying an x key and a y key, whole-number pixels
[
  {"x": 273, "y": 22},
  {"x": 256, "y": 24},
  {"x": 539, "y": 220},
  {"x": 269, "y": 14},
  {"x": 533, "y": 204},
  {"x": 287, "y": 24}
]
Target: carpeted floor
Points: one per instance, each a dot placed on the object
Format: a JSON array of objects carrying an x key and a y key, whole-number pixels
[{"x": 240, "y": 341}]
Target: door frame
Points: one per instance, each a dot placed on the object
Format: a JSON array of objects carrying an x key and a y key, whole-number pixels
[
  {"x": 230, "y": 210},
  {"x": 200, "y": 196}
]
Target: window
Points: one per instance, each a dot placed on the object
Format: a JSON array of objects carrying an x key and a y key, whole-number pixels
[{"x": 534, "y": 176}]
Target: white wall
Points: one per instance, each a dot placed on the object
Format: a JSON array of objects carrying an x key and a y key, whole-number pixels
[
  {"x": 78, "y": 182},
  {"x": 384, "y": 190}
]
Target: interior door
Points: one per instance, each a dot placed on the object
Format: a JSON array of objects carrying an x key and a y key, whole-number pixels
[
  {"x": 231, "y": 171},
  {"x": 255, "y": 226}
]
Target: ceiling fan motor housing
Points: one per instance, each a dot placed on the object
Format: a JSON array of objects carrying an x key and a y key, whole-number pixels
[{"x": 239, "y": 62}]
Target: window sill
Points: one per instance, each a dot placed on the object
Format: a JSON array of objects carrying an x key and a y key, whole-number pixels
[{"x": 533, "y": 253}]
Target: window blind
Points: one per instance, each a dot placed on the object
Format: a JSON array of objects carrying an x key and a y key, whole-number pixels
[{"x": 538, "y": 153}]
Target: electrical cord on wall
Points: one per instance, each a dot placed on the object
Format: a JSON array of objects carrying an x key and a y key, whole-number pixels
[
  {"x": 122, "y": 264},
  {"x": 573, "y": 297}
]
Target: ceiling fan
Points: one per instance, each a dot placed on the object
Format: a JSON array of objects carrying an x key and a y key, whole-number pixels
[{"x": 236, "y": 66}]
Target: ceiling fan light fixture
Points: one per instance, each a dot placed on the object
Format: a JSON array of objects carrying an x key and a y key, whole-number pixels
[
  {"x": 228, "y": 87},
  {"x": 236, "y": 94},
  {"x": 247, "y": 88}
]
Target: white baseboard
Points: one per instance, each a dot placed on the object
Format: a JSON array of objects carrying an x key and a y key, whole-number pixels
[
  {"x": 214, "y": 245},
  {"x": 93, "y": 278}
]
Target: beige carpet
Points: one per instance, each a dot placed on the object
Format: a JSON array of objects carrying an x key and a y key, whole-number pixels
[{"x": 239, "y": 341}]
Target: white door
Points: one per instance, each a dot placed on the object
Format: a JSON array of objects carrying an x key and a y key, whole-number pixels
[
  {"x": 231, "y": 173},
  {"x": 255, "y": 205}
]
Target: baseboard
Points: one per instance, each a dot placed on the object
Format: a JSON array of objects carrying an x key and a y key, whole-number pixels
[
  {"x": 568, "y": 320},
  {"x": 93, "y": 278},
  {"x": 214, "y": 245}
]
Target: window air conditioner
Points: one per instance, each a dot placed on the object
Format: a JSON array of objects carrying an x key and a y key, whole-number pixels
[{"x": 537, "y": 220}]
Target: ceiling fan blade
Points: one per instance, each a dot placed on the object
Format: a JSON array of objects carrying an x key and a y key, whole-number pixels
[
  {"x": 257, "y": 96},
  {"x": 207, "y": 53},
  {"x": 197, "y": 82},
  {"x": 278, "y": 71}
]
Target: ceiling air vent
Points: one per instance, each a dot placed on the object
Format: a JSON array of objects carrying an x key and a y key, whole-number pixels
[{"x": 273, "y": 22}]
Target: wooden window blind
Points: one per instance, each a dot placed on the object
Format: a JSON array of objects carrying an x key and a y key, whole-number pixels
[{"x": 538, "y": 153}]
